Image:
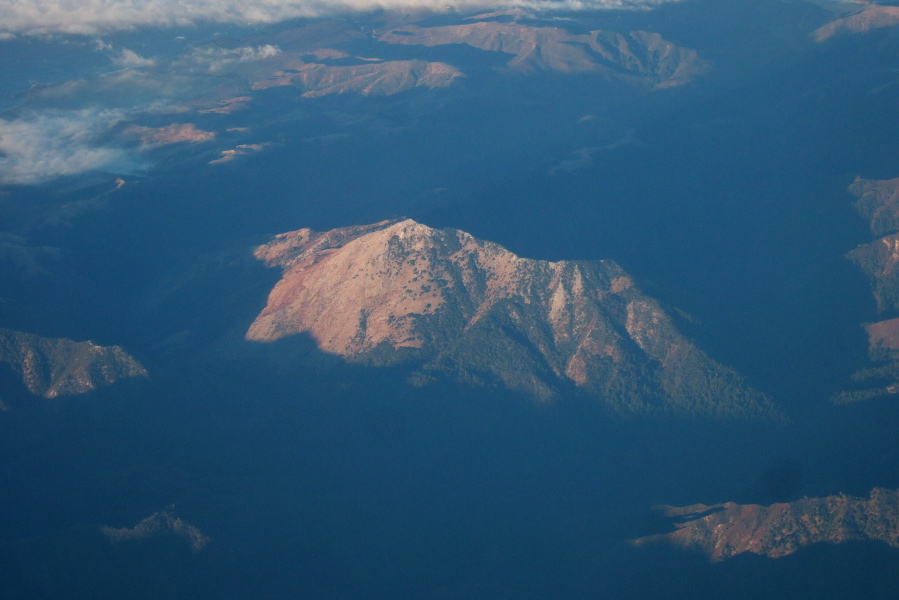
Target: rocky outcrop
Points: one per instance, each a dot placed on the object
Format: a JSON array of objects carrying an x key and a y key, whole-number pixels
[
  {"x": 52, "y": 367},
  {"x": 399, "y": 292},
  {"x": 158, "y": 524},
  {"x": 722, "y": 531}
]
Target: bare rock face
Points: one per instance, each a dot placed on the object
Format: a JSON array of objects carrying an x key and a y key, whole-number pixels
[
  {"x": 52, "y": 367},
  {"x": 725, "y": 530},
  {"x": 399, "y": 292}
]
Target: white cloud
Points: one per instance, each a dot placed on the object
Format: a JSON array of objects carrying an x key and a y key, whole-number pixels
[
  {"x": 129, "y": 59},
  {"x": 215, "y": 59},
  {"x": 83, "y": 125},
  {"x": 248, "y": 53},
  {"x": 90, "y": 17},
  {"x": 40, "y": 147},
  {"x": 102, "y": 46},
  {"x": 239, "y": 150}
]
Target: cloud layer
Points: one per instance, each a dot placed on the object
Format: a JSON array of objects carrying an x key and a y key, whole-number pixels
[
  {"x": 58, "y": 143},
  {"x": 91, "y": 17}
]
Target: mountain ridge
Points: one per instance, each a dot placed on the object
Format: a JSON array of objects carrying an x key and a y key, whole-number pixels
[
  {"x": 722, "y": 531},
  {"x": 399, "y": 292}
]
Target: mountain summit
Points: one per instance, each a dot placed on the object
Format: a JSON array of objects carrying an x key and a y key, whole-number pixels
[{"x": 399, "y": 292}]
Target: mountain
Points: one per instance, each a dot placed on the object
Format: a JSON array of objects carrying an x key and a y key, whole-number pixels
[
  {"x": 52, "y": 367},
  {"x": 878, "y": 203},
  {"x": 327, "y": 58},
  {"x": 725, "y": 530},
  {"x": 868, "y": 18},
  {"x": 397, "y": 410},
  {"x": 634, "y": 56},
  {"x": 218, "y": 101},
  {"x": 401, "y": 293}
]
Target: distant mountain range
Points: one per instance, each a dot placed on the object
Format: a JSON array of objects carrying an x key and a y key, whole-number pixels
[
  {"x": 635, "y": 55},
  {"x": 402, "y": 293},
  {"x": 726, "y": 530},
  {"x": 334, "y": 58}
]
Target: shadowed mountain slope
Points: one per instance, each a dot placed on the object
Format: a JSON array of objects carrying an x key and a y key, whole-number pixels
[
  {"x": 52, "y": 367},
  {"x": 878, "y": 203}
]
